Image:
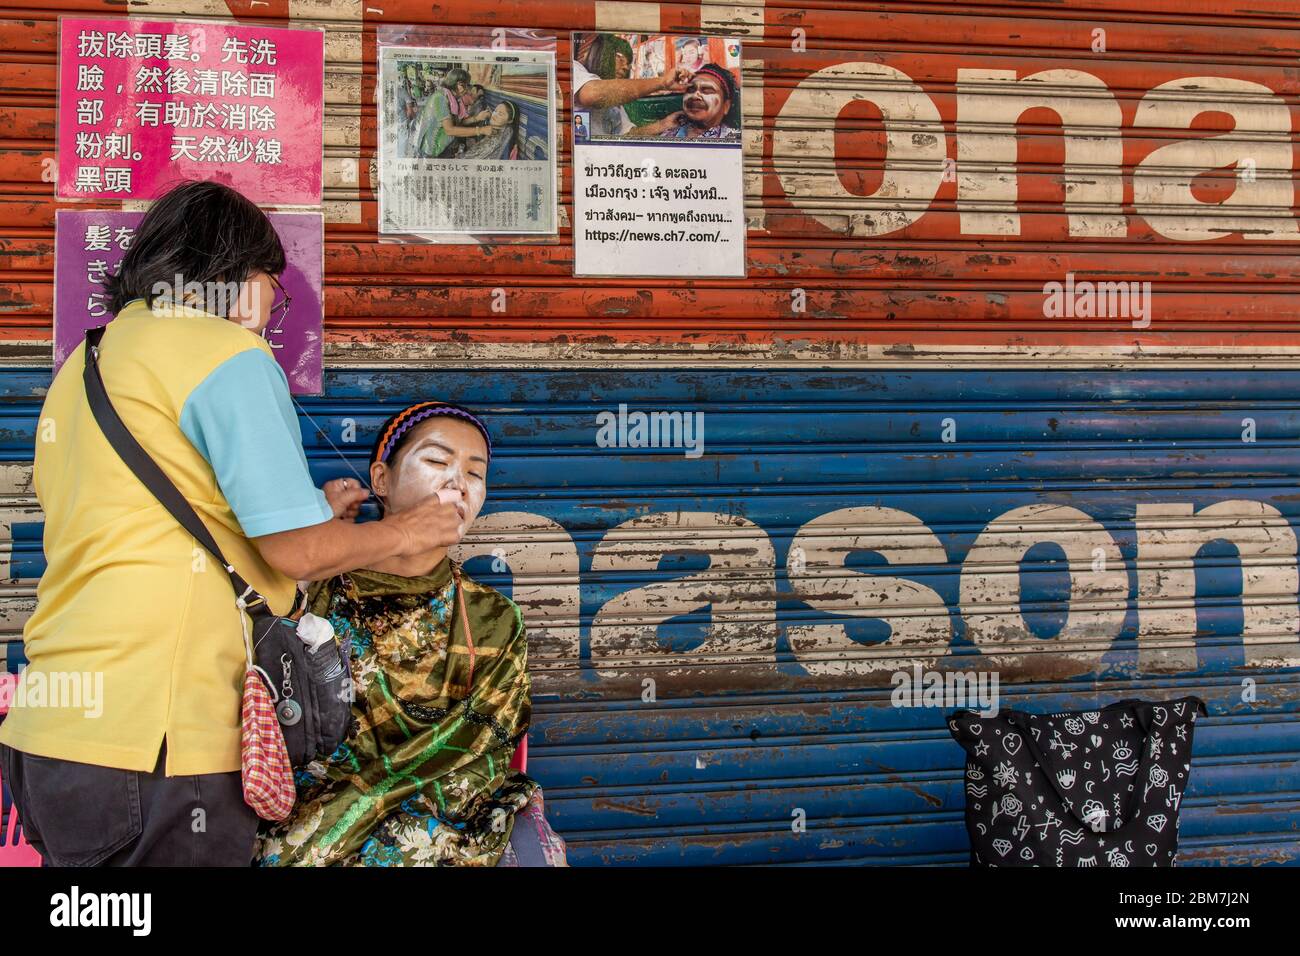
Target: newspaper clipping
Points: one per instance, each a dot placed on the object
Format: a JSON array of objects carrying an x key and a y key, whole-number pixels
[
  {"x": 467, "y": 141},
  {"x": 658, "y": 177}
]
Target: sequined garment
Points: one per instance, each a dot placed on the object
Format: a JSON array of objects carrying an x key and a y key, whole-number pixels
[{"x": 425, "y": 778}]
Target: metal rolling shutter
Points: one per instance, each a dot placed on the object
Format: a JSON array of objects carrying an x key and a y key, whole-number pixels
[{"x": 825, "y": 428}]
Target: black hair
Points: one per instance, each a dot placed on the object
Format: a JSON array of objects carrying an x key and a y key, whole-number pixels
[
  {"x": 445, "y": 409},
  {"x": 455, "y": 77},
  {"x": 599, "y": 57},
  {"x": 201, "y": 231},
  {"x": 724, "y": 77}
]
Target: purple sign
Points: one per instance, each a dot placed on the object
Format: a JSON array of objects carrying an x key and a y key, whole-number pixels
[{"x": 89, "y": 245}]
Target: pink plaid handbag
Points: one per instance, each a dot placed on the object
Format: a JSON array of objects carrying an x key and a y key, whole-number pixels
[{"x": 265, "y": 769}]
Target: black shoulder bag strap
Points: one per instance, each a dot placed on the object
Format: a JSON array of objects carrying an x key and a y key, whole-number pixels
[{"x": 147, "y": 470}]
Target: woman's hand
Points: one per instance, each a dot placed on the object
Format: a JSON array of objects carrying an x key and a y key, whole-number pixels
[
  {"x": 674, "y": 79},
  {"x": 437, "y": 521},
  {"x": 669, "y": 122},
  {"x": 346, "y": 496},
  {"x": 334, "y": 546}
]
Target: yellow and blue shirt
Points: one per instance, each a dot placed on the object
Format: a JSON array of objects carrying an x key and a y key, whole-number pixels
[{"x": 127, "y": 593}]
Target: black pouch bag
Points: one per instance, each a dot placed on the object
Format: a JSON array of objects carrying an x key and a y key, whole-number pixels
[
  {"x": 1094, "y": 788},
  {"x": 313, "y": 702}
]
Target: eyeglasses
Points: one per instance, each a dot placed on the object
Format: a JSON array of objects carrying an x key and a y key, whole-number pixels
[{"x": 279, "y": 310}]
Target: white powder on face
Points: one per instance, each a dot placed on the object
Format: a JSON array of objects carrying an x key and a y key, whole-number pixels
[{"x": 426, "y": 469}]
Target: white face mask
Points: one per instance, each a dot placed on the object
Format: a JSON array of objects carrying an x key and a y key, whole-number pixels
[{"x": 443, "y": 454}]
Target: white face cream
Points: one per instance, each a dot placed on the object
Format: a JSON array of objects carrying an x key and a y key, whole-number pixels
[{"x": 444, "y": 456}]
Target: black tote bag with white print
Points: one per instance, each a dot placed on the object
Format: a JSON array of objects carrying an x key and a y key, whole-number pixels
[{"x": 1093, "y": 788}]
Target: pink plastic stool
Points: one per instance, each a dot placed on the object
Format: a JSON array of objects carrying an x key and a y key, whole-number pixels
[
  {"x": 520, "y": 761},
  {"x": 14, "y": 848}
]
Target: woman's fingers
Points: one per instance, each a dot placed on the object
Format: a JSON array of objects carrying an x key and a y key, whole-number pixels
[
  {"x": 345, "y": 496},
  {"x": 430, "y": 523},
  {"x": 675, "y": 78},
  {"x": 452, "y": 497}
]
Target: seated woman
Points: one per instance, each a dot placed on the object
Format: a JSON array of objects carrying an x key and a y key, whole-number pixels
[
  {"x": 440, "y": 669},
  {"x": 502, "y": 140}
]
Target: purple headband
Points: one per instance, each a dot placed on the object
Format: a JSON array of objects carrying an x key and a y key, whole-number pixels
[{"x": 409, "y": 418}]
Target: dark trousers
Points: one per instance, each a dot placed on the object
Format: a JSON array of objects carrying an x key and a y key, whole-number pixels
[{"x": 78, "y": 814}]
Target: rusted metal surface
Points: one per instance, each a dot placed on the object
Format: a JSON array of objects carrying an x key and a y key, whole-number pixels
[
  {"x": 916, "y": 173},
  {"x": 1062, "y": 159},
  {"x": 714, "y": 641}
]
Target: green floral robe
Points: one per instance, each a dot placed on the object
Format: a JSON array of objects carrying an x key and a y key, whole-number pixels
[{"x": 424, "y": 779}]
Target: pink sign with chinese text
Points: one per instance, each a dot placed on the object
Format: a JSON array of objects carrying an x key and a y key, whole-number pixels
[{"x": 144, "y": 104}]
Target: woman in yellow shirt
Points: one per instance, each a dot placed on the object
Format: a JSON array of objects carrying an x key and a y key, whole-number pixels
[{"x": 130, "y": 617}]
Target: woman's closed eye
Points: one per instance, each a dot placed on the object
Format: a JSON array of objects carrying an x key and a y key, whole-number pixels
[{"x": 442, "y": 464}]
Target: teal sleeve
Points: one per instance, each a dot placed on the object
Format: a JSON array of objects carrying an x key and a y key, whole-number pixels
[{"x": 240, "y": 419}]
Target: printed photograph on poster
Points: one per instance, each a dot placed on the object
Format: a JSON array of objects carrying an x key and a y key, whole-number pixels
[
  {"x": 658, "y": 171},
  {"x": 466, "y": 140},
  {"x": 143, "y": 104},
  {"x": 636, "y": 86},
  {"x": 89, "y": 245}
]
